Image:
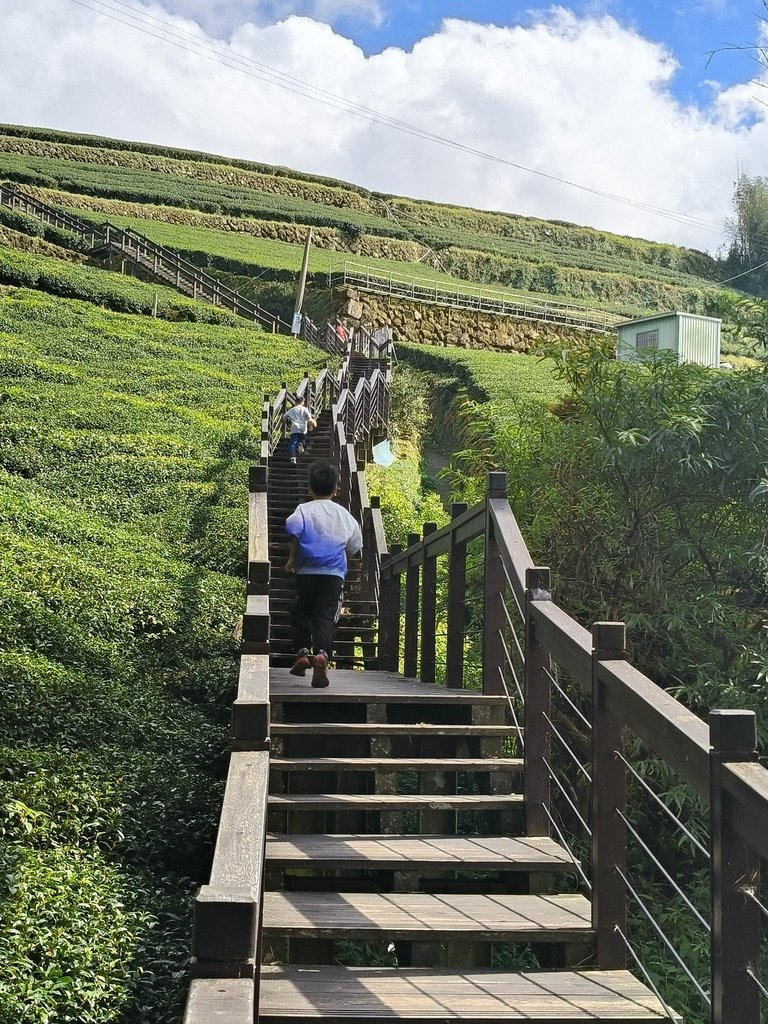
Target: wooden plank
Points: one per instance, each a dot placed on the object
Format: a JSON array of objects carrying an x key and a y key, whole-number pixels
[
  {"x": 348, "y": 686},
  {"x": 490, "y": 853},
  {"x": 512, "y": 548},
  {"x": 411, "y": 638},
  {"x": 258, "y": 541},
  {"x": 338, "y": 995},
  {"x": 395, "y": 801},
  {"x": 238, "y": 857},
  {"x": 456, "y": 606},
  {"x": 747, "y": 784},
  {"x": 537, "y": 689},
  {"x": 428, "y": 611},
  {"x": 220, "y": 1001},
  {"x": 225, "y": 932},
  {"x": 667, "y": 728},
  {"x": 465, "y": 527},
  {"x": 256, "y": 624},
  {"x": 569, "y": 643},
  {"x": 390, "y": 729},
  {"x": 396, "y": 764},
  {"x": 493, "y": 595},
  {"x": 420, "y": 915},
  {"x": 250, "y": 711}
]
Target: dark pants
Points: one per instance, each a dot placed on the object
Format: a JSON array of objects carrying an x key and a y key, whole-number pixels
[{"x": 317, "y": 611}]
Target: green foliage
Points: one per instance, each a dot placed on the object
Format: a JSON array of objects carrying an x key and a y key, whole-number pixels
[
  {"x": 122, "y": 145},
  {"x": 748, "y": 230},
  {"x": 405, "y": 502},
  {"x": 212, "y": 196},
  {"x": 548, "y": 258},
  {"x": 652, "y": 505},
  {"x": 105, "y": 288},
  {"x": 29, "y": 225},
  {"x": 124, "y": 446}
]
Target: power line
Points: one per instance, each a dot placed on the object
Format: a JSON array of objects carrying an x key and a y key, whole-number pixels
[{"x": 141, "y": 21}]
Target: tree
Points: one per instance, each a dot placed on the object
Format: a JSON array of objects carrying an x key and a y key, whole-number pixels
[{"x": 748, "y": 230}]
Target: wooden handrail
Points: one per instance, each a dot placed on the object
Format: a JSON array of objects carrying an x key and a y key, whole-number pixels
[{"x": 718, "y": 762}]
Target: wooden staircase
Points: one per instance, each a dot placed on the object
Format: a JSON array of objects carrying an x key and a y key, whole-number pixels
[
  {"x": 287, "y": 487},
  {"x": 396, "y": 844}
]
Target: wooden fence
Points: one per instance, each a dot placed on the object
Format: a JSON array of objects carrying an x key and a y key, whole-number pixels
[{"x": 538, "y": 655}]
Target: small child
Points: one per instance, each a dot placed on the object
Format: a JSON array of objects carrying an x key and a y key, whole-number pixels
[
  {"x": 322, "y": 535},
  {"x": 299, "y": 418}
]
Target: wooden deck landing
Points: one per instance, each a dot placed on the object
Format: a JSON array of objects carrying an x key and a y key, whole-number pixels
[{"x": 371, "y": 687}]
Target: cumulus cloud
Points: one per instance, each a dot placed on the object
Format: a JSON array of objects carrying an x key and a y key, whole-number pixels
[
  {"x": 223, "y": 16},
  {"x": 584, "y": 99}
]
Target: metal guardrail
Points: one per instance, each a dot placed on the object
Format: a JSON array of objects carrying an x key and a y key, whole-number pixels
[
  {"x": 474, "y": 298},
  {"x": 153, "y": 259}
]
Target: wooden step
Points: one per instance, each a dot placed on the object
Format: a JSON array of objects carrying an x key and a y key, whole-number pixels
[
  {"x": 426, "y": 917},
  {"x": 375, "y": 688},
  {"x": 393, "y": 802},
  {"x": 426, "y": 729},
  {"x": 412, "y": 995},
  {"x": 411, "y": 853},
  {"x": 396, "y": 764}
]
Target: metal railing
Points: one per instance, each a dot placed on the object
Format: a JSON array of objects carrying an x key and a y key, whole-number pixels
[
  {"x": 472, "y": 297},
  {"x": 148, "y": 257}
]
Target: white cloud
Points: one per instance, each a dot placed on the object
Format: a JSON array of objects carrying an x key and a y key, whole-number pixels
[
  {"x": 581, "y": 99},
  {"x": 223, "y": 16}
]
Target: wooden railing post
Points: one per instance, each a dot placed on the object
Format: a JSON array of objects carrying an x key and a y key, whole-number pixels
[
  {"x": 538, "y": 701},
  {"x": 457, "y": 582},
  {"x": 493, "y": 595},
  {"x": 609, "y": 799},
  {"x": 411, "y": 649},
  {"x": 735, "y": 868},
  {"x": 428, "y": 610},
  {"x": 389, "y": 616}
]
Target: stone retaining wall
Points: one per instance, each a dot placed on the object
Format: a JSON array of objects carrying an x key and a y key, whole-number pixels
[{"x": 427, "y": 324}]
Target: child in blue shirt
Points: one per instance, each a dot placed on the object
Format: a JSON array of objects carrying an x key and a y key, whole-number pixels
[{"x": 322, "y": 535}]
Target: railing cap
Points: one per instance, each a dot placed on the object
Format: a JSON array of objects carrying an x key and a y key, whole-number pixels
[
  {"x": 609, "y": 640},
  {"x": 497, "y": 484},
  {"x": 733, "y": 731}
]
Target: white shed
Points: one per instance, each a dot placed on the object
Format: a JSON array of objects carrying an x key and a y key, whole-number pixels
[{"x": 695, "y": 339}]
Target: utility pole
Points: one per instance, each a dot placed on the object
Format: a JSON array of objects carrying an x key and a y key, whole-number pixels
[{"x": 296, "y": 328}]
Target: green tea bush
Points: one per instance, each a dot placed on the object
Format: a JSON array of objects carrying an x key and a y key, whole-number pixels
[
  {"x": 105, "y": 288},
  {"x": 124, "y": 447}
]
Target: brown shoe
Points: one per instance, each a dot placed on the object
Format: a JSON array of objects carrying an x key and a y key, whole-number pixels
[
  {"x": 301, "y": 664},
  {"x": 320, "y": 669}
]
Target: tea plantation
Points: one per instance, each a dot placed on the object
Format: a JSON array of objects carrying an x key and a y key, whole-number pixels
[
  {"x": 191, "y": 201},
  {"x": 124, "y": 443}
]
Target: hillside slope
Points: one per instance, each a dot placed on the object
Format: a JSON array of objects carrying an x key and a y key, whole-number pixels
[
  {"x": 124, "y": 447},
  {"x": 248, "y": 221}
]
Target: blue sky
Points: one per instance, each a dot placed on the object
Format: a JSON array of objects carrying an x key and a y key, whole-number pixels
[
  {"x": 603, "y": 114},
  {"x": 690, "y": 29}
]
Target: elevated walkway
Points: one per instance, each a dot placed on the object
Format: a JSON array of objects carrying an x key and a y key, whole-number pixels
[{"x": 471, "y": 297}]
